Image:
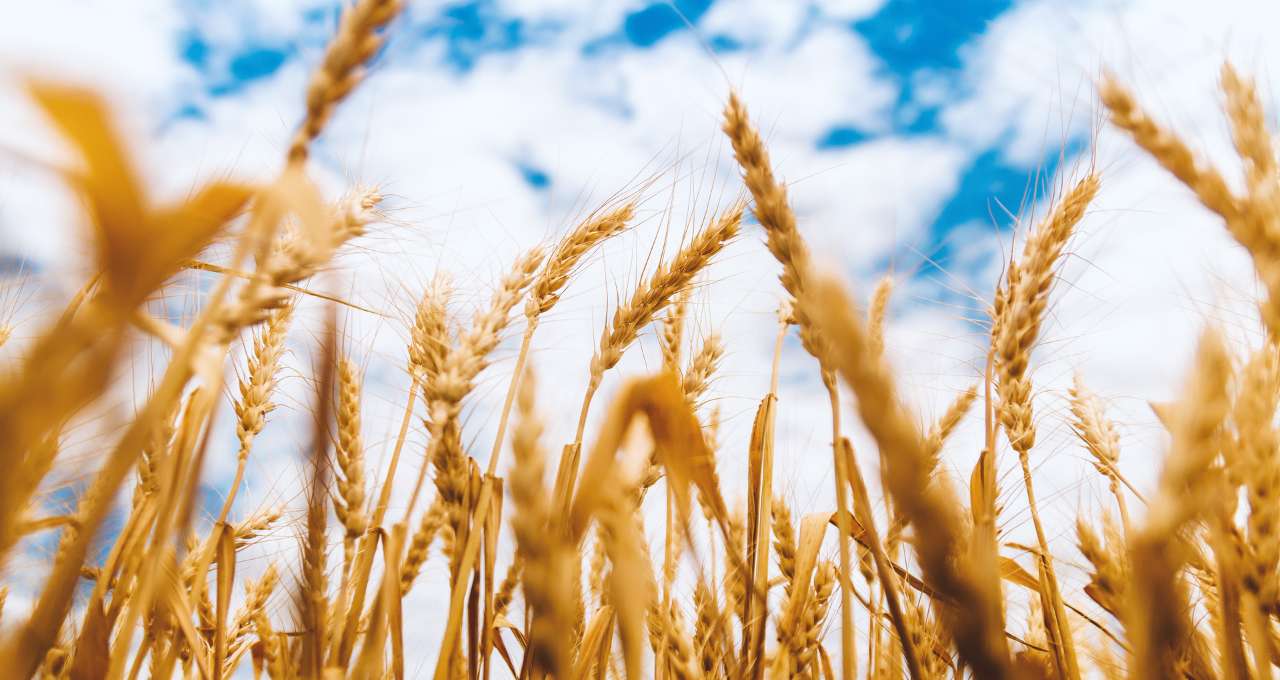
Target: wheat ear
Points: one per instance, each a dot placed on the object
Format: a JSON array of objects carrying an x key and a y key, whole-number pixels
[
  {"x": 650, "y": 297},
  {"x": 348, "y": 504},
  {"x": 355, "y": 43},
  {"x": 1019, "y": 313}
]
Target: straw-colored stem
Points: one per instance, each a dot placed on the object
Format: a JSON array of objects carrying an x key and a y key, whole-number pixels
[
  {"x": 567, "y": 472},
  {"x": 884, "y": 571},
  {"x": 1055, "y": 615},
  {"x": 757, "y": 556},
  {"x": 512, "y": 387},
  {"x": 848, "y": 660}
]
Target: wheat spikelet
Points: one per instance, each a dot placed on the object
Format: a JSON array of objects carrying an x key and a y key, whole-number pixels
[
  {"x": 348, "y": 503},
  {"x": 670, "y": 642},
  {"x": 1095, "y": 430},
  {"x": 596, "y": 570},
  {"x": 302, "y": 254},
  {"x": 255, "y": 393},
  {"x": 252, "y": 528},
  {"x": 311, "y": 601},
  {"x": 255, "y": 602},
  {"x": 784, "y": 543},
  {"x": 672, "y": 335},
  {"x": 667, "y": 281},
  {"x": 649, "y": 297},
  {"x": 148, "y": 463},
  {"x": 269, "y": 643},
  {"x": 1020, "y": 312},
  {"x": 1033, "y": 662},
  {"x": 1197, "y": 419},
  {"x": 1098, "y": 434},
  {"x": 866, "y": 564},
  {"x": 808, "y": 638},
  {"x": 464, "y": 362},
  {"x": 1250, "y": 218},
  {"x": 1108, "y": 578},
  {"x": 707, "y": 642},
  {"x": 1167, "y": 149},
  {"x": 507, "y": 588},
  {"x": 773, "y": 211},
  {"x": 935, "y": 658},
  {"x": 296, "y": 256},
  {"x": 577, "y": 604},
  {"x": 1253, "y": 462},
  {"x": 420, "y": 545},
  {"x": 356, "y": 42},
  {"x": 697, "y": 375},
  {"x": 946, "y": 424},
  {"x": 771, "y": 207},
  {"x": 735, "y": 581},
  {"x": 254, "y": 403},
  {"x": 876, "y": 312},
  {"x": 631, "y": 585},
  {"x": 565, "y": 258},
  {"x": 1249, "y": 132},
  {"x": 430, "y": 338},
  {"x": 444, "y": 394}
]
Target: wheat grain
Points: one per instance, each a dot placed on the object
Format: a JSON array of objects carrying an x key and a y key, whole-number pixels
[
  {"x": 672, "y": 336},
  {"x": 784, "y": 543},
  {"x": 701, "y": 368},
  {"x": 348, "y": 503},
  {"x": 420, "y": 545}
]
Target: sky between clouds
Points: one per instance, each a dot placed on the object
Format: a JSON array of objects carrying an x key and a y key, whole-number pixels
[{"x": 911, "y": 133}]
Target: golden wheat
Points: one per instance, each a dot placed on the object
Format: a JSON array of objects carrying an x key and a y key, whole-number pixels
[{"x": 1187, "y": 586}]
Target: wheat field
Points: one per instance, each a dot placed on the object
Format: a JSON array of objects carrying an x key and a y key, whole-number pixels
[{"x": 549, "y": 569}]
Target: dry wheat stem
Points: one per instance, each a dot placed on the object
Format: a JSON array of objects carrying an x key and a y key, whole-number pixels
[{"x": 981, "y": 640}]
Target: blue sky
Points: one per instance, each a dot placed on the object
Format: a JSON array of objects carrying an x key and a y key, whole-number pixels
[{"x": 910, "y": 42}]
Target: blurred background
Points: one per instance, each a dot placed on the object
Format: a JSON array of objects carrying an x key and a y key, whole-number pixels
[{"x": 919, "y": 140}]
